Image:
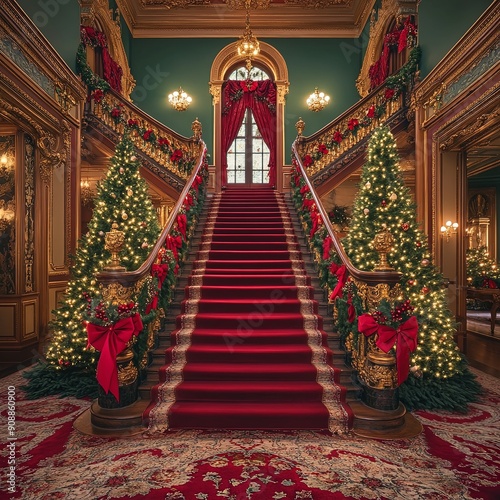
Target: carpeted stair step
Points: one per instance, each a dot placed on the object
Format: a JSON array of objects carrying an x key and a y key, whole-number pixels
[
  {"x": 244, "y": 353},
  {"x": 270, "y": 391},
  {"x": 244, "y": 280},
  {"x": 255, "y": 291},
  {"x": 261, "y": 416},
  {"x": 245, "y": 306},
  {"x": 229, "y": 321}
]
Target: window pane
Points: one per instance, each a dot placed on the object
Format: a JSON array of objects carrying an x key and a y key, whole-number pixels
[{"x": 240, "y": 176}]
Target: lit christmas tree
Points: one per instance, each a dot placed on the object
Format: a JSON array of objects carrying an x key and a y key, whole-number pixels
[
  {"x": 482, "y": 271},
  {"x": 439, "y": 376},
  {"x": 122, "y": 197}
]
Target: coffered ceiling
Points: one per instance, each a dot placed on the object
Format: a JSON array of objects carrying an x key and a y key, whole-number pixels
[{"x": 226, "y": 18}]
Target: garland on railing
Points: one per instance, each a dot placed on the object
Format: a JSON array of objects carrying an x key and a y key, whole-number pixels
[
  {"x": 394, "y": 86},
  {"x": 396, "y": 328},
  {"x": 156, "y": 293},
  {"x": 182, "y": 159}
]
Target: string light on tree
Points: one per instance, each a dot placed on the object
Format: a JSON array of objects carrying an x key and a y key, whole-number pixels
[{"x": 383, "y": 199}]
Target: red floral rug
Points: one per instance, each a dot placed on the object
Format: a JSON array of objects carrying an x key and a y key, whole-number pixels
[{"x": 455, "y": 458}]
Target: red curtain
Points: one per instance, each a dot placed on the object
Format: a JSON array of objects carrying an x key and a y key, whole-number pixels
[{"x": 260, "y": 97}]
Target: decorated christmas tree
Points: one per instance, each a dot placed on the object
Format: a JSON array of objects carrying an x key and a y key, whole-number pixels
[
  {"x": 122, "y": 198},
  {"x": 439, "y": 375},
  {"x": 482, "y": 270}
]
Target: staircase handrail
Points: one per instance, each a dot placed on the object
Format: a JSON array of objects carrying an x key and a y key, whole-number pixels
[
  {"x": 369, "y": 277},
  {"x": 162, "y": 144},
  {"x": 323, "y": 147},
  {"x": 128, "y": 278}
]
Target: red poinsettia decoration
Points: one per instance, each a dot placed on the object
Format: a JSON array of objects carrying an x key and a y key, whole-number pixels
[
  {"x": 337, "y": 136},
  {"x": 389, "y": 93},
  {"x": 353, "y": 124},
  {"x": 371, "y": 111},
  {"x": 132, "y": 122},
  {"x": 148, "y": 135},
  {"x": 98, "y": 95},
  {"x": 307, "y": 161},
  {"x": 322, "y": 149},
  {"x": 176, "y": 156}
]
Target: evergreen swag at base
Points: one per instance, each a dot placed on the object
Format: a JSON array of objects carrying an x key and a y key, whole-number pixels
[
  {"x": 69, "y": 365},
  {"x": 439, "y": 376}
]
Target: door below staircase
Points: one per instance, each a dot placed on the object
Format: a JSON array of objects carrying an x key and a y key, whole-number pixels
[{"x": 249, "y": 350}]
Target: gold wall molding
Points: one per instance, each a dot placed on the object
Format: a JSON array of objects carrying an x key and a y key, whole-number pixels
[
  {"x": 481, "y": 38},
  {"x": 97, "y": 13},
  {"x": 380, "y": 22},
  {"x": 69, "y": 91}
]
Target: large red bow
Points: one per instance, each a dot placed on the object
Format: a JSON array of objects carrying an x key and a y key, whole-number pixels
[
  {"x": 327, "y": 245},
  {"x": 182, "y": 224},
  {"x": 111, "y": 341},
  {"x": 404, "y": 337},
  {"x": 341, "y": 273},
  {"x": 174, "y": 243}
]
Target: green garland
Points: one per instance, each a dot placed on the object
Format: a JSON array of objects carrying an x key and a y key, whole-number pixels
[{"x": 89, "y": 78}]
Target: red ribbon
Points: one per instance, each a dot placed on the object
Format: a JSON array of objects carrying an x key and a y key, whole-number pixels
[
  {"x": 316, "y": 222},
  {"x": 160, "y": 271},
  {"x": 327, "y": 245},
  {"x": 111, "y": 341},
  {"x": 174, "y": 243},
  {"x": 196, "y": 182},
  {"x": 188, "y": 201},
  {"x": 182, "y": 224},
  {"x": 404, "y": 337},
  {"x": 341, "y": 273}
]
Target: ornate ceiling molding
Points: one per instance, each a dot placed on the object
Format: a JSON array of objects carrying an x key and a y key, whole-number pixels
[{"x": 223, "y": 18}]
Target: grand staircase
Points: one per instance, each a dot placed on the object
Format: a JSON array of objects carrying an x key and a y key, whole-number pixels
[{"x": 251, "y": 344}]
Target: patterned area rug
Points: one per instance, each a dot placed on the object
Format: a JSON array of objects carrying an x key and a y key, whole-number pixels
[{"x": 456, "y": 457}]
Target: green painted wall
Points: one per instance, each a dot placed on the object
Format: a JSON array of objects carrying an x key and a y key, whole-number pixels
[
  {"x": 442, "y": 24},
  {"x": 162, "y": 65},
  {"x": 59, "y": 21}
]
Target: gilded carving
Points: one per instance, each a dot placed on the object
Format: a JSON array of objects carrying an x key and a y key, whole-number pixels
[
  {"x": 98, "y": 12},
  {"x": 127, "y": 374},
  {"x": 115, "y": 293},
  {"x": 29, "y": 212}
]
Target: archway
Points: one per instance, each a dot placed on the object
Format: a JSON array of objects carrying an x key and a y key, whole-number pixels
[{"x": 274, "y": 64}]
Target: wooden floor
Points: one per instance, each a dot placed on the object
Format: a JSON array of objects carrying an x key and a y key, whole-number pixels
[{"x": 481, "y": 348}]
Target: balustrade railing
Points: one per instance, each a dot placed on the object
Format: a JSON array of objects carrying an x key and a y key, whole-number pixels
[
  {"x": 143, "y": 294},
  {"x": 321, "y": 149},
  {"x": 376, "y": 370},
  {"x": 169, "y": 149}
]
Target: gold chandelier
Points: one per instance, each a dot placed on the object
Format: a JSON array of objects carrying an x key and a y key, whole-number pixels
[
  {"x": 179, "y": 100},
  {"x": 317, "y": 100},
  {"x": 248, "y": 46}
]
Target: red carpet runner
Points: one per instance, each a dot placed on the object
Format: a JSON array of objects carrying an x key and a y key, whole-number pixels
[{"x": 249, "y": 351}]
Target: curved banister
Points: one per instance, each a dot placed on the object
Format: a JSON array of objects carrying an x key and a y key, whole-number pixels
[
  {"x": 370, "y": 277},
  {"x": 103, "y": 106},
  {"x": 127, "y": 278}
]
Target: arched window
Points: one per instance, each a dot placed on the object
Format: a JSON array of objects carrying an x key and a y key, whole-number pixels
[{"x": 248, "y": 156}]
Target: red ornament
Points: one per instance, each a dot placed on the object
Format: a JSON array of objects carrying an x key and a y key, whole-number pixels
[
  {"x": 405, "y": 226},
  {"x": 418, "y": 243},
  {"x": 425, "y": 290},
  {"x": 384, "y": 203},
  {"x": 411, "y": 282}
]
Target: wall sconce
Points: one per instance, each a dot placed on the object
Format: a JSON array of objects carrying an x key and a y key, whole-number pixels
[
  {"x": 317, "y": 100},
  {"x": 448, "y": 229},
  {"x": 6, "y": 162},
  {"x": 179, "y": 100},
  {"x": 86, "y": 193}
]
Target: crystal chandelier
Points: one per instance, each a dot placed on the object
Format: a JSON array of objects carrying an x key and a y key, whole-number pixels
[
  {"x": 317, "y": 100},
  {"x": 86, "y": 193},
  {"x": 179, "y": 100},
  {"x": 248, "y": 46}
]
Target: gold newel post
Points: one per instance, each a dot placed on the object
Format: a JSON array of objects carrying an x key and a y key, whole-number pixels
[{"x": 116, "y": 294}]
